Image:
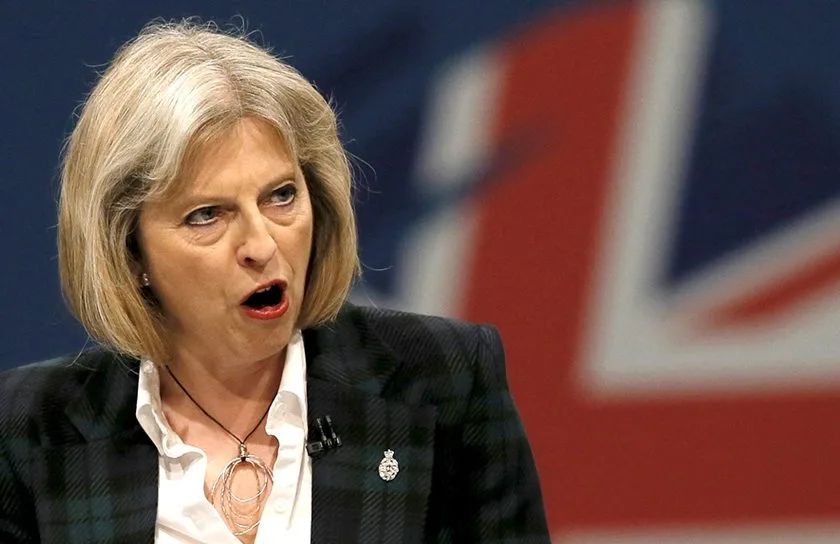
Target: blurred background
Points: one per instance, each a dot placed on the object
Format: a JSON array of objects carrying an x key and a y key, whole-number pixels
[{"x": 641, "y": 195}]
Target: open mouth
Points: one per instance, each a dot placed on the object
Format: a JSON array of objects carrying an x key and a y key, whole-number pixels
[{"x": 265, "y": 298}]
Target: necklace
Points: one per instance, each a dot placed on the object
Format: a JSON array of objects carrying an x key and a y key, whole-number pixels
[{"x": 241, "y": 513}]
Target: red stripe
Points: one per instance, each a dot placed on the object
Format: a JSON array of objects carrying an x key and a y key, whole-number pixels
[{"x": 778, "y": 298}]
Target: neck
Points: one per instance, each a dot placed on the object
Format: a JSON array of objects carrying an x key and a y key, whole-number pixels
[{"x": 235, "y": 393}]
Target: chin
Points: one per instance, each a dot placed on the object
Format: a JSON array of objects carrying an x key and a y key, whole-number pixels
[{"x": 268, "y": 345}]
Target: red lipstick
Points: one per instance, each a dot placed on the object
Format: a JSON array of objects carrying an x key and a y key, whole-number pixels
[{"x": 266, "y": 302}]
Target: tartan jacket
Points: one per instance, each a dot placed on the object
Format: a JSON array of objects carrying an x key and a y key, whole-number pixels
[{"x": 76, "y": 467}]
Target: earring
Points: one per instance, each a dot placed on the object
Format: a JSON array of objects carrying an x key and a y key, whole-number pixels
[{"x": 144, "y": 279}]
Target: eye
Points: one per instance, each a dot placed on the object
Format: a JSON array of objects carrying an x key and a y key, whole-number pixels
[
  {"x": 203, "y": 216},
  {"x": 283, "y": 196}
]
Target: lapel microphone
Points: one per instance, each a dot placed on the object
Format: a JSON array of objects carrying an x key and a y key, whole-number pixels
[{"x": 325, "y": 438}]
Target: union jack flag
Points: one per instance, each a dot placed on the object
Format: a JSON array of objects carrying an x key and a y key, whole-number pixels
[{"x": 643, "y": 197}]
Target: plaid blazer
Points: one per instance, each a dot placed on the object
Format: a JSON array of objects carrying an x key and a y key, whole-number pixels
[{"x": 75, "y": 466}]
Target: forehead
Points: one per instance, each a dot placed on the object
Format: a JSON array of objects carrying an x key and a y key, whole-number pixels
[{"x": 249, "y": 150}]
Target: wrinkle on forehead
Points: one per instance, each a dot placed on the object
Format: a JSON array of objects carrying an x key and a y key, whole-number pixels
[{"x": 215, "y": 147}]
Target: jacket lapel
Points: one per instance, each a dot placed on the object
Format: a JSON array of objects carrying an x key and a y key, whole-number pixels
[
  {"x": 351, "y": 378},
  {"x": 103, "y": 489}
]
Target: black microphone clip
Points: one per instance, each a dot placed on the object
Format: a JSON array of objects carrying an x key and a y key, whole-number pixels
[{"x": 326, "y": 440}]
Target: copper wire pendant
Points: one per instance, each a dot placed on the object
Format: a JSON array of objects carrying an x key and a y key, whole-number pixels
[{"x": 241, "y": 513}]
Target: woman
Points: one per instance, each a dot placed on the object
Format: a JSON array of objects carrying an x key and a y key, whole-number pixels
[{"x": 207, "y": 242}]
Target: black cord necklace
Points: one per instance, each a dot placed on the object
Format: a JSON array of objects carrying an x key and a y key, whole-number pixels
[{"x": 241, "y": 513}]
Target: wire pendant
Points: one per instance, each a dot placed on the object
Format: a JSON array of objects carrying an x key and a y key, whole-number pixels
[{"x": 241, "y": 513}]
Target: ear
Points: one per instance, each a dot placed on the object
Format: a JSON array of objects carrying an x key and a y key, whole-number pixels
[{"x": 135, "y": 254}]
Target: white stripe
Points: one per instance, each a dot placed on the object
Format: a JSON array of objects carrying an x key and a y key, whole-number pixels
[
  {"x": 456, "y": 144},
  {"x": 457, "y": 132}
]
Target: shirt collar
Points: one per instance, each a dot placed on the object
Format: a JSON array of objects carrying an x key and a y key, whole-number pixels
[{"x": 289, "y": 404}]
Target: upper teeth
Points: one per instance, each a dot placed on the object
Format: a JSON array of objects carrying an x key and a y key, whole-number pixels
[{"x": 263, "y": 290}]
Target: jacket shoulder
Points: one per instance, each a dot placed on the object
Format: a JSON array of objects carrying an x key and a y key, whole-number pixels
[
  {"x": 33, "y": 394},
  {"x": 408, "y": 332},
  {"x": 441, "y": 359}
]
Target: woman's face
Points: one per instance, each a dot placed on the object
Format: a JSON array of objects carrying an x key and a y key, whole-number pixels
[{"x": 227, "y": 256}]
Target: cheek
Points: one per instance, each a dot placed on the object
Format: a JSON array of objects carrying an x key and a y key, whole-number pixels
[
  {"x": 166, "y": 255},
  {"x": 303, "y": 239},
  {"x": 298, "y": 251},
  {"x": 179, "y": 271}
]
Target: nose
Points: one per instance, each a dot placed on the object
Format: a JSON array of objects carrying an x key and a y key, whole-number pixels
[{"x": 257, "y": 246}]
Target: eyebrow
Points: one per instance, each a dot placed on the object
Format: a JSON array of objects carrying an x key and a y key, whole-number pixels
[{"x": 196, "y": 201}]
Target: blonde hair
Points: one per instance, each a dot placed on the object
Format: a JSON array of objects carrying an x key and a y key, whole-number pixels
[{"x": 172, "y": 89}]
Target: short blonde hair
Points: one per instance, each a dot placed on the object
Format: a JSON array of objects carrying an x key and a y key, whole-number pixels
[{"x": 167, "y": 92}]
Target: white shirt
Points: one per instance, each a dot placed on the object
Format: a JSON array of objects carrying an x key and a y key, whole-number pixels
[{"x": 184, "y": 514}]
